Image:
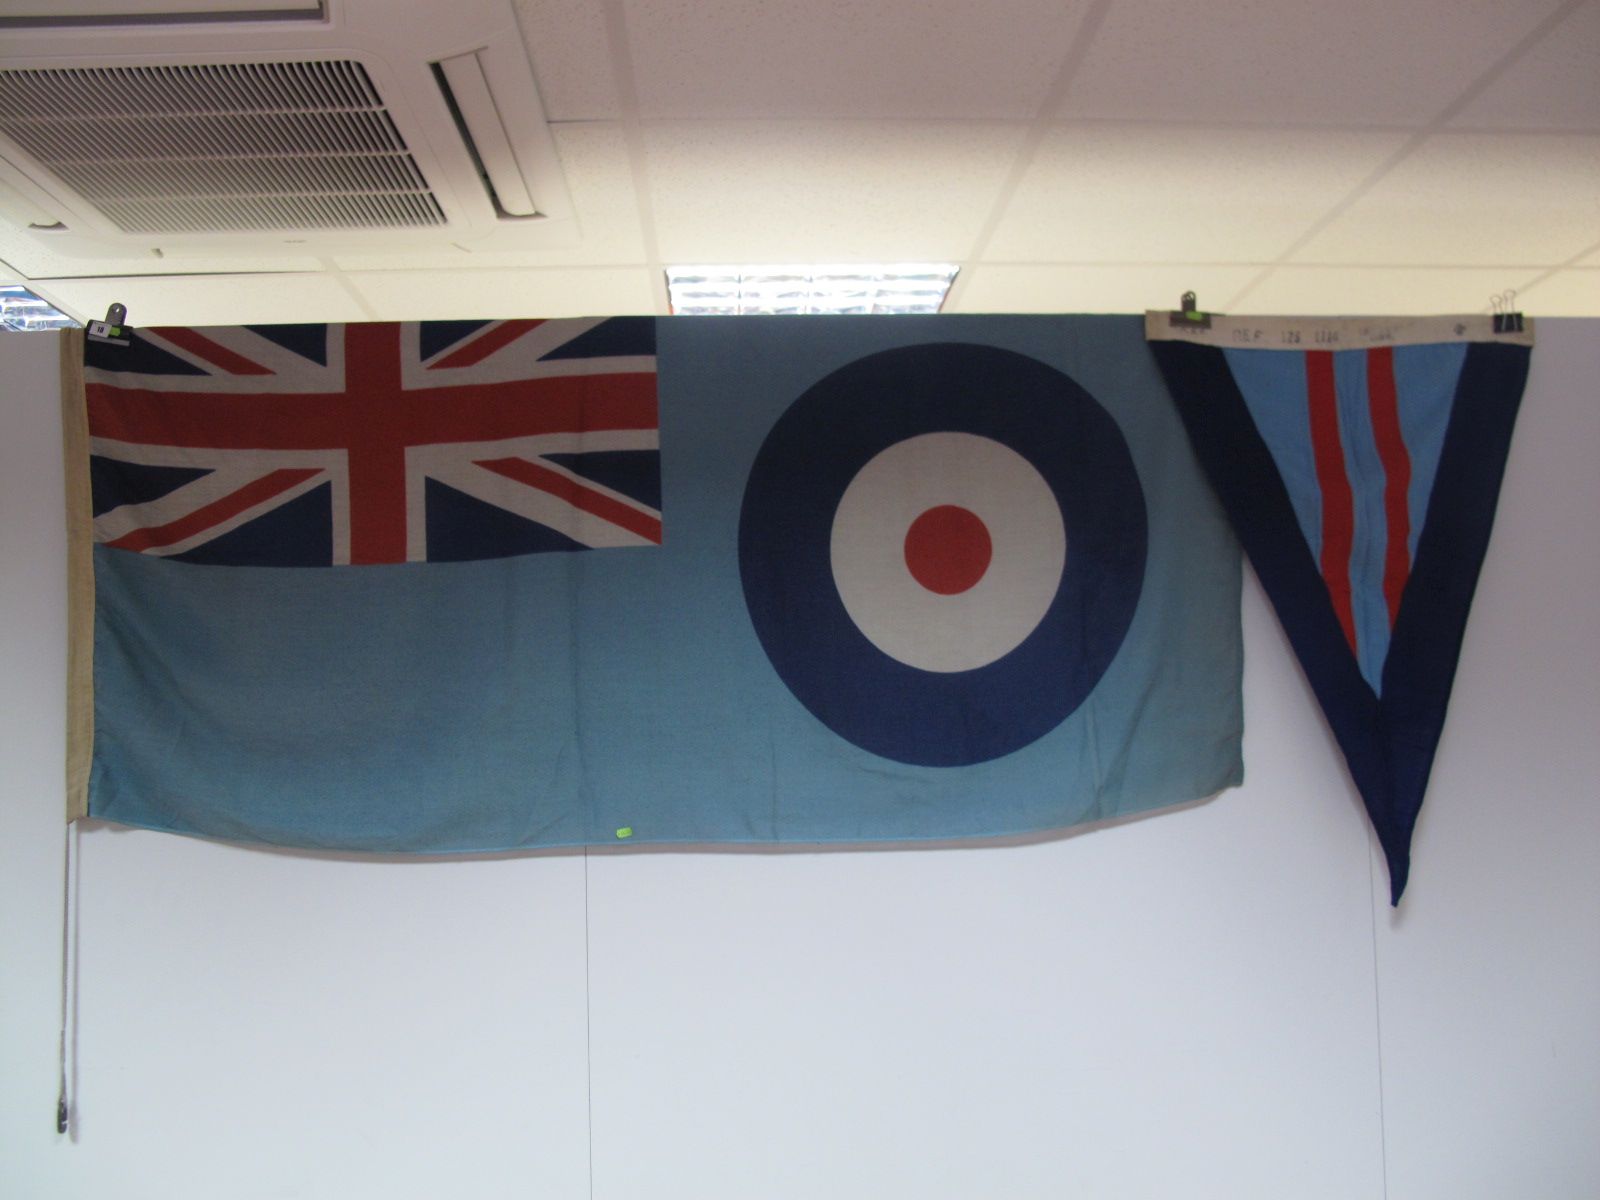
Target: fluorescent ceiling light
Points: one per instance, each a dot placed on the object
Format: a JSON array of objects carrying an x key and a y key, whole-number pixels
[
  {"x": 845, "y": 288},
  {"x": 24, "y": 312}
]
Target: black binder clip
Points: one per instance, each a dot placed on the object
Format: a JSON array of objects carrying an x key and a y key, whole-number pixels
[
  {"x": 1189, "y": 315},
  {"x": 1505, "y": 319},
  {"x": 113, "y": 329}
]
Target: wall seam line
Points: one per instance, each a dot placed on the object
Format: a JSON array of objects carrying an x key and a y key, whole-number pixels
[
  {"x": 1377, "y": 1024},
  {"x": 589, "y": 1058}
]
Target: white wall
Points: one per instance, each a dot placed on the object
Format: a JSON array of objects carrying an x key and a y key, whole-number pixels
[{"x": 1211, "y": 1002}]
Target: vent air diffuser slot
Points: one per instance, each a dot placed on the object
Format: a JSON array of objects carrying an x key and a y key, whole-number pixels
[{"x": 221, "y": 148}]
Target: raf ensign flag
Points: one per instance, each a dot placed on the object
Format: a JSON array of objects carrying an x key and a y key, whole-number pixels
[
  {"x": 864, "y": 579},
  {"x": 1359, "y": 461}
]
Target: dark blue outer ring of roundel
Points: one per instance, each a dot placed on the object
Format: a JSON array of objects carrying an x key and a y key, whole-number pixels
[{"x": 809, "y": 458}]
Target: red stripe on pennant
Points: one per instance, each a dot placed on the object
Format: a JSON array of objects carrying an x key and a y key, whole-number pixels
[
  {"x": 575, "y": 494},
  {"x": 253, "y": 493},
  {"x": 1396, "y": 473},
  {"x": 201, "y": 346},
  {"x": 1338, "y": 504},
  {"x": 486, "y": 344}
]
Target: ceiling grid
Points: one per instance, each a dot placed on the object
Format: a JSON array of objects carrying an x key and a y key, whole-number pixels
[
  {"x": 1048, "y": 108},
  {"x": 1473, "y": 90},
  {"x": 1068, "y": 155},
  {"x": 616, "y": 25}
]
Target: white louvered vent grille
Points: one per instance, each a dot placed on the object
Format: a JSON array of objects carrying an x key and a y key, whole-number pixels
[{"x": 220, "y": 148}]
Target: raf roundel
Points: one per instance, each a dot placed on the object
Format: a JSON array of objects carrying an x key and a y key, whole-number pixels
[{"x": 942, "y": 547}]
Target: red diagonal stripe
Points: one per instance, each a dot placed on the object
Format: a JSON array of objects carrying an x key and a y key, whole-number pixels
[
  {"x": 1396, "y": 474},
  {"x": 255, "y": 492},
  {"x": 1338, "y": 504},
  {"x": 201, "y": 346},
  {"x": 486, "y": 344},
  {"x": 575, "y": 494}
]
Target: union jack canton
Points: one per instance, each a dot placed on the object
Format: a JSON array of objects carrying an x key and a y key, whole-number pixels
[{"x": 326, "y": 445}]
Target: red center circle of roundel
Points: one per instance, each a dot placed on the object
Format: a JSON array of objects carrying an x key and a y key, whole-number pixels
[{"x": 948, "y": 549}]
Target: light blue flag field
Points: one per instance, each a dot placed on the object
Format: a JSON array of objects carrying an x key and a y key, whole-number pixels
[{"x": 471, "y": 586}]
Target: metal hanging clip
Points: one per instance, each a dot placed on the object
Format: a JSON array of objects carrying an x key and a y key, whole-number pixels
[
  {"x": 113, "y": 329},
  {"x": 1506, "y": 318},
  {"x": 1188, "y": 315}
]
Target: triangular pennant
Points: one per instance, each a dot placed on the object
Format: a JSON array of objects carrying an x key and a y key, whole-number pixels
[{"x": 1359, "y": 461}]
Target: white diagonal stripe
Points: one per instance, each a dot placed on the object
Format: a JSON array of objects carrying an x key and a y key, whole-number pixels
[
  {"x": 230, "y": 470},
  {"x": 517, "y": 359},
  {"x": 531, "y": 504},
  {"x": 292, "y": 374}
]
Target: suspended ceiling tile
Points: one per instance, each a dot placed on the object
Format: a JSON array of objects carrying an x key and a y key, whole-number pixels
[
  {"x": 842, "y": 58},
  {"x": 1574, "y": 292},
  {"x": 861, "y": 191},
  {"x": 571, "y": 58},
  {"x": 1378, "y": 291},
  {"x": 595, "y": 159},
  {"x": 1471, "y": 199},
  {"x": 1302, "y": 61},
  {"x": 557, "y": 292},
  {"x": 211, "y": 299},
  {"x": 1056, "y": 288},
  {"x": 599, "y": 173},
  {"x": 1128, "y": 193},
  {"x": 34, "y": 257},
  {"x": 1556, "y": 85}
]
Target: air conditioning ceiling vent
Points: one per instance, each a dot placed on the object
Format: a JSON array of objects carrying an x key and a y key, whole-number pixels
[
  {"x": 191, "y": 149},
  {"x": 343, "y": 127}
]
